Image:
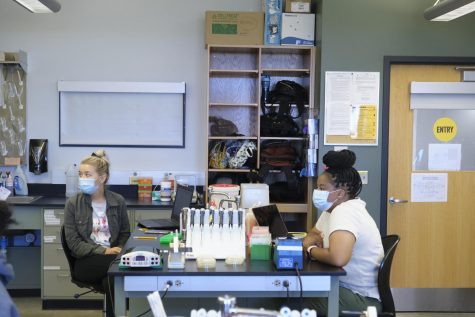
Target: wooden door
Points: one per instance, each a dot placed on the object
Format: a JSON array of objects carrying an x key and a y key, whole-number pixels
[{"x": 437, "y": 248}]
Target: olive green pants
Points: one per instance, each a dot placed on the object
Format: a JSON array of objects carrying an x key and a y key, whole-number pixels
[{"x": 349, "y": 301}]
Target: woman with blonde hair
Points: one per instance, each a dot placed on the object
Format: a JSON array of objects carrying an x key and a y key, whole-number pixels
[{"x": 96, "y": 224}]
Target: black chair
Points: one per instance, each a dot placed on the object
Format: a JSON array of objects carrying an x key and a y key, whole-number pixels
[
  {"x": 389, "y": 244},
  {"x": 96, "y": 288}
]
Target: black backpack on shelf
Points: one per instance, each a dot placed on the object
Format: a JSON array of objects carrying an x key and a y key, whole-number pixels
[
  {"x": 281, "y": 123},
  {"x": 288, "y": 92}
]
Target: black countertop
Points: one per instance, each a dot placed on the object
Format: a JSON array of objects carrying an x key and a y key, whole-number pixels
[
  {"x": 56, "y": 202},
  {"x": 52, "y": 195}
]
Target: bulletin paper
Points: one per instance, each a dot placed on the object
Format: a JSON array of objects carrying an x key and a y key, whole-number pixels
[
  {"x": 352, "y": 105},
  {"x": 429, "y": 187}
]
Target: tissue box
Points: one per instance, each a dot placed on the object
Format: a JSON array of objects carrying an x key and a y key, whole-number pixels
[{"x": 298, "y": 29}]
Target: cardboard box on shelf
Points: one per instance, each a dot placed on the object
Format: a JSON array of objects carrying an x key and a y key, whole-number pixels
[
  {"x": 272, "y": 28},
  {"x": 233, "y": 27},
  {"x": 298, "y": 29},
  {"x": 298, "y": 6},
  {"x": 272, "y": 6}
]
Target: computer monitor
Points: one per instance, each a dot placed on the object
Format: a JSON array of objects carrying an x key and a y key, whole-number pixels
[{"x": 270, "y": 216}]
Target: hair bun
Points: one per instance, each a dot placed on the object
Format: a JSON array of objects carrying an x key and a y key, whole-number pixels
[
  {"x": 101, "y": 154},
  {"x": 339, "y": 160}
]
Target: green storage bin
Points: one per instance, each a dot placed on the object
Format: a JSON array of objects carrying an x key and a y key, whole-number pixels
[{"x": 260, "y": 252}]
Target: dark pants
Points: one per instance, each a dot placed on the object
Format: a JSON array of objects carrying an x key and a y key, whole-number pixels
[{"x": 93, "y": 270}]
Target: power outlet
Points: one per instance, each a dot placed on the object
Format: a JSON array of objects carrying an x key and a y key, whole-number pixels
[{"x": 364, "y": 177}]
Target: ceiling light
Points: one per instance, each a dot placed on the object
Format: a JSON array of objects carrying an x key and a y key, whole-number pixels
[
  {"x": 448, "y": 10},
  {"x": 40, "y": 6}
]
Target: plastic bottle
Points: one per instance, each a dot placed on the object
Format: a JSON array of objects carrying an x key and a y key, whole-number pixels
[
  {"x": 72, "y": 180},
  {"x": 19, "y": 182},
  {"x": 9, "y": 182},
  {"x": 171, "y": 179},
  {"x": 3, "y": 246},
  {"x": 265, "y": 81}
]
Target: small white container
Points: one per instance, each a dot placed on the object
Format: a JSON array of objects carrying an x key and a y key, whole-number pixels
[{"x": 166, "y": 191}]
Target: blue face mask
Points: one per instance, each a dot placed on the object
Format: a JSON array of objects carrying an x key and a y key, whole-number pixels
[
  {"x": 320, "y": 200},
  {"x": 87, "y": 185}
]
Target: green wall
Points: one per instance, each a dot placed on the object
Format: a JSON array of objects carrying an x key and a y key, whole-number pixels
[{"x": 356, "y": 35}]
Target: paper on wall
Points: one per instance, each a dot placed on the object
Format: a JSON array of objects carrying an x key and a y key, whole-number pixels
[
  {"x": 445, "y": 157},
  {"x": 429, "y": 187}
]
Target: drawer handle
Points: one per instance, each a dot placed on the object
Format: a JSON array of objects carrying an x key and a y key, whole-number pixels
[
  {"x": 64, "y": 275},
  {"x": 59, "y": 249}
]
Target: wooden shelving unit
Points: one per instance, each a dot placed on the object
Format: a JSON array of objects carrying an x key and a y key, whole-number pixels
[{"x": 234, "y": 93}]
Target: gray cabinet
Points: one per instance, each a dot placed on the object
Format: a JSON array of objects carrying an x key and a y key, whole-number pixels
[{"x": 56, "y": 277}]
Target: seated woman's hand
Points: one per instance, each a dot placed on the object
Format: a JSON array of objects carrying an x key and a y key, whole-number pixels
[
  {"x": 114, "y": 250},
  {"x": 314, "y": 237}
]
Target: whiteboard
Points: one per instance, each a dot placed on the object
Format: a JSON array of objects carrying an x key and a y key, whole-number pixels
[{"x": 122, "y": 114}]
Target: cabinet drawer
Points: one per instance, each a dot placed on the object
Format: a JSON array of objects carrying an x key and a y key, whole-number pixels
[
  {"x": 52, "y": 234},
  {"x": 53, "y": 217},
  {"x": 53, "y": 256},
  {"x": 58, "y": 284}
]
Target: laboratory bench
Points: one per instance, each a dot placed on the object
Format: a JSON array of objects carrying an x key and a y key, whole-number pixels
[{"x": 40, "y": 265}]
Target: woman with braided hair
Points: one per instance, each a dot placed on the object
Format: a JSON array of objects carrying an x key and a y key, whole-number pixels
[{"x": 345, "y": 234}]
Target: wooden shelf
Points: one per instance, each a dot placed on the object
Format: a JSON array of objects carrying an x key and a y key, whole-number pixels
[
  {"x": 292, "y": 208},
  {"x": 305, "y": 71},
  {"x": 225, "y": 104},
  {"x": 283, "y": 138},
  {"x": 232, "y": 138},
  {"x": 229, "y": 170},
  {"x": 234, "y": 72}
]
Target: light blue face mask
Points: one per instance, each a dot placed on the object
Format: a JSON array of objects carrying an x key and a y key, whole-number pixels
[
  {"x": 87, "y": 185},
  {"x": 320, "y": 200}
]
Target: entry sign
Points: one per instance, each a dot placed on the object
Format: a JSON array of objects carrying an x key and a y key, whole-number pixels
[{"x": 445, "y": 129}]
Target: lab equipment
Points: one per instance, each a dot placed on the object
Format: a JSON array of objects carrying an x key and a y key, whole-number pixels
[
  {"x": 9, "y": 182},
  {"x": 176, "y": 258},
  {"x": 3, "y": 246},
  {"x": 253, "y": 195},
  {"x": 141, "y": 257},
  {"x": 219, "y": 233},
  {"x": 227, "y": 192},
  {"x": 288, "y": 254}
]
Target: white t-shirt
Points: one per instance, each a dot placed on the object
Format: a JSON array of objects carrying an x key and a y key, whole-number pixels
[
  {"x": 367, "y": 254},
  {"x": 100, "y": 226}
]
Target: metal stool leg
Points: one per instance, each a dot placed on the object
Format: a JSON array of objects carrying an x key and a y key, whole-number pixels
[{"x": 104, "y": 306}]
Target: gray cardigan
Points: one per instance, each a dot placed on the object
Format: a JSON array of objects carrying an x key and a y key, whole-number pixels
[{"x": 78, "y": 223}]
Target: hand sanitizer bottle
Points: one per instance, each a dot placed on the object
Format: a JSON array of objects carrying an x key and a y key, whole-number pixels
[{"x": 19, "y": 182}]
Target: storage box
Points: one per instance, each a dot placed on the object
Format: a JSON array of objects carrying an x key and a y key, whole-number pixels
[
  {"x": 273, "y": 28},
  {"x": 272, "y": 6},
  {"x": 232, "y": 27},
  {"x": 298, "y": 6},
  {"x": 298, "y": 29},
  {"x": 260, "y": 252}
]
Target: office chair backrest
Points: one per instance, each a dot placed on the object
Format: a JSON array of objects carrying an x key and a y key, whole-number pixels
[
  {"x": 389, "y": 244},
  {"x": 67, "y": 252}
]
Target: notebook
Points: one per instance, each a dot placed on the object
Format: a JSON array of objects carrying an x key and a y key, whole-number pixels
[
  {"x": 183, "y": 197},
  {"x": 270, "y": 216}
]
